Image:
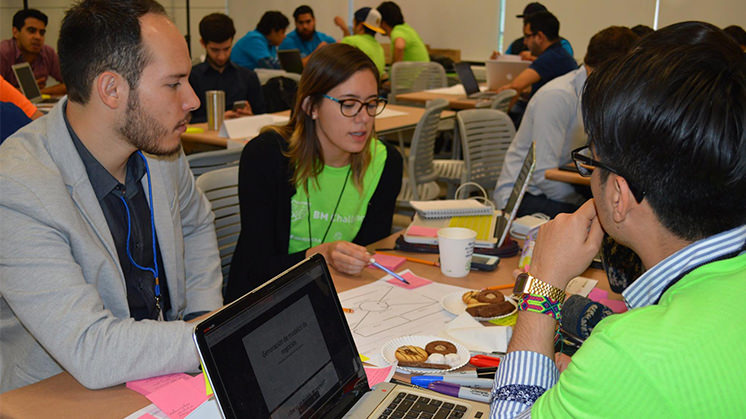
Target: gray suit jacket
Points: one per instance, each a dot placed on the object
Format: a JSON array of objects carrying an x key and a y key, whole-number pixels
[{"x": 63, "y": 301}]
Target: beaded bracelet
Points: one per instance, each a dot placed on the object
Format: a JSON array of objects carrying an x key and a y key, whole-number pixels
[{"x": 541, "y": 304}]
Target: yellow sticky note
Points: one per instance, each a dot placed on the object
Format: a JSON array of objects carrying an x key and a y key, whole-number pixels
[
  {"x": 208, "y": 389},
  {"x": 194, "y": 130},
  {"x": 364, "y": 358}
]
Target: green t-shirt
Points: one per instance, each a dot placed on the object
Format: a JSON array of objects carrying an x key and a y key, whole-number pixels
[
  {"x": 684, "y": 357},
  {"x": 415, "y": 49},
  {"x": 368, "y": 44},
  {"x": 322, "y": 199}
]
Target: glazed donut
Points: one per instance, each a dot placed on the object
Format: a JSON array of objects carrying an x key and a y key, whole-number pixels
[
  {"x": 470, "y": 297},
  {"x": 440, "y": 347},
  {"x": 410, "y": 353}
]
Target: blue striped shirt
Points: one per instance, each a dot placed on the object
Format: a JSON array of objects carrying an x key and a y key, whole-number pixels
[{"x": 524, "y": 375}]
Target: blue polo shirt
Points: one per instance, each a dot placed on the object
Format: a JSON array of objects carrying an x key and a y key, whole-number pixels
[
  {"x": 552, "y": 63},
  {"x": 294, "y": 41},
  {"x": 253, "y": 50}
]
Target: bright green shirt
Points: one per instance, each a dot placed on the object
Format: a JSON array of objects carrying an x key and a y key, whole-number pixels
[
  {"x": 684, "y": 357},
  {"x": 368, "y": 44},
  {"x": 414, "y": 49},
  {"x": 348, "y": 218}
]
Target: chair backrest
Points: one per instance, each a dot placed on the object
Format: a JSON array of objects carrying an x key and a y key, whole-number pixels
[
  {"x": 221, "y": 188},
  {"x": 486, "y": 135},
  {"x": 413, "y": 76},
  {"x": 207, "y": 161},
  {"x": 420, "y": 167},
  {"x": 501, "y": 101}
]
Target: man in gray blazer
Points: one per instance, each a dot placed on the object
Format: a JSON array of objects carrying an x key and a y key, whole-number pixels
[{"x": 106, "y": 244}]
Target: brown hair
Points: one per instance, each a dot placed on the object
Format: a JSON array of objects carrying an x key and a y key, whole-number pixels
[
  {"x": 611, "y": 43},
  {"x": 328, "y": 67}
]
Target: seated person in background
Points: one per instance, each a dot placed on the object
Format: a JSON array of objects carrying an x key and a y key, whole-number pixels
[
  {"x": 676, "y": 198},
  {"x": 216, "y": 33},
  {"x": 553, "y": 121},
  {"x": 367, "y": 22},
  {"x": 27, "y": 45},
  {"x": 738, "y": 34},
  {"x": 518, "y": 47},
  {"x": 541, "y": 35},
  {"x": 305, "y": 37},
  {"x": 99, "y": 268},
  {"x": 642, "y": 30},
  {"x": 406, "y": 44},
  {"x": 320, "y": 184},
  {"x": 258, "y": 48},
  {"x": 8, "y": 93}
]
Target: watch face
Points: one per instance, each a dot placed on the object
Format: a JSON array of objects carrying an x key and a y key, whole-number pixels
[{"x": 520, "y": 283}]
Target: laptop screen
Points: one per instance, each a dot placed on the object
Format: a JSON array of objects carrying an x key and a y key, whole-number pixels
[
  {"x": 27, "y": 81},
  {"x": 516, "y": 196},
  {"x": 467, "y": 77},
  {"x": 284, "y": 350},
  {"x": 290, "y": 60}
]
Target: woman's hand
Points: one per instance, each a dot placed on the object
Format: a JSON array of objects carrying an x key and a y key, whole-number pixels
[{"x": 343, "y": 256}]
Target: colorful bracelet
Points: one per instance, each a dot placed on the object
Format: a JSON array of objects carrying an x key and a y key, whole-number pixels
[{"x": 541, "y": 304}]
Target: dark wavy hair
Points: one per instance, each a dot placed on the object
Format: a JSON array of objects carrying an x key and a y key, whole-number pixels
[{"x": 669, "y": 117}]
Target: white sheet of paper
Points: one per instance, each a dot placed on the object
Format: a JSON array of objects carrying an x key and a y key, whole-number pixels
[
  {"x": 384, "y": 312},
  {"x": 580, "y": 285},
  {"x": 150, "y": 409},
  {"x": 388, "y": 113},
  {"x": 248, "y": 127}
]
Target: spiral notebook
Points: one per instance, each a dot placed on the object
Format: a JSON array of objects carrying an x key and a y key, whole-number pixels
[{"x": 451, "y": 208}]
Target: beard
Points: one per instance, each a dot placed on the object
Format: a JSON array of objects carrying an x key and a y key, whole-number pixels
[{"x": 145, "y": 132}]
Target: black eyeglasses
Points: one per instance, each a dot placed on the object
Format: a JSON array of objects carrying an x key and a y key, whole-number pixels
[
  {"x": 585, "y": 164},
  {"x": 351, "y": 107}
]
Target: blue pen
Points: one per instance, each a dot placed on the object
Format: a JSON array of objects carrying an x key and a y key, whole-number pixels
[
  {"x": 425, "y": 380},
  {"x": 388, "y": 271}
]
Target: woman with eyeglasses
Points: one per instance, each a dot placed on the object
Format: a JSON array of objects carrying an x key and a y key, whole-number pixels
[{"x": 322, "y": 183}]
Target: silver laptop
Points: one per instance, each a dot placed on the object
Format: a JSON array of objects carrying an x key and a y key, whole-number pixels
[
  {"x": 284, "y": 350},
  {"x": 502, "y": 227},
  {"x": 290, "y": 60},
  {"x": 27, "y": 83},
  {"x": 502, "y": 72}
]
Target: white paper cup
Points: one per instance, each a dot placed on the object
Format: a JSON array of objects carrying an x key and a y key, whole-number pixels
[{"x": 456, "y": 245}]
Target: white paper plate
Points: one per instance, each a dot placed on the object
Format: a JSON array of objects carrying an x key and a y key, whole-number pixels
[
  {"x": 453, "y": 304},
  {"x": 390, "y": 347}
]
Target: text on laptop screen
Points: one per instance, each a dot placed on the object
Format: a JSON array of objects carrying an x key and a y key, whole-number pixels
[{"x": 286, "y": 355}]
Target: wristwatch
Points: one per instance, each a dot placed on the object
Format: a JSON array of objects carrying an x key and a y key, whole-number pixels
[{"x": 527, "y": 284}]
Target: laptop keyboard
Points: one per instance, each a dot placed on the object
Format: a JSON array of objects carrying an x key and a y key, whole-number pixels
[{"x": 410, "y": 406}]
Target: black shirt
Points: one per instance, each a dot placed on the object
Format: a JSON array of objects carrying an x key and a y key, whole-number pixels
[
  {"x": 237, "y": 82},
  {"x": 140, "y": 283}
]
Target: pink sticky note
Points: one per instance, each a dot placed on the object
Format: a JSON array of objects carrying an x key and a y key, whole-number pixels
[
  {"x": 389, "y": 261},
  {"x": 414, "y": 281},
  {"x": 422, "y": 231},
  {"x": 181, "y": 397},
  {"x": 149, "y": 385},
  {"x": 597, "y": 294},
  {"x": 379, "y": 375},
  {"x": 615, "y": 305}
]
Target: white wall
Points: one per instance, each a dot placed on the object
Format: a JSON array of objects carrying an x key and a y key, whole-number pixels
[{"x": 468, "y": 25}]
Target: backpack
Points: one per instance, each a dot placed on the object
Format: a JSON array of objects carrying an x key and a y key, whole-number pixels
[{"x": 279, "y": 93}]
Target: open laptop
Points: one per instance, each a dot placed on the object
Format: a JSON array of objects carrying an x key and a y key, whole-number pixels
[
  {"x": 285, "y": 350},
  {"x": 290, "y": 60},
  {"x": 503, "y": 220},
  {"x": 27, "y": 83},
  {"x": 502, "y": 72},
  {"x": 469, "y": 81}
]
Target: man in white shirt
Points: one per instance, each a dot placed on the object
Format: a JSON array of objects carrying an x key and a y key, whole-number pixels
[{"x": 554, "y": 122}]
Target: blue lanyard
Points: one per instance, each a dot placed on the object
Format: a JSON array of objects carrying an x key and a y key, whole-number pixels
[{"x": 154, "y": 269}]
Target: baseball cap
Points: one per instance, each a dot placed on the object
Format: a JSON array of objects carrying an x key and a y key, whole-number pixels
[
  {"x": 370, "y": 18},
  {"x": 532, "y": 8}
]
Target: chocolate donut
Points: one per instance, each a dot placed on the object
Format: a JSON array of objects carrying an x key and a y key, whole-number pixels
[
  {"x": 440, "y": 347},
  {"x": 487, "y": 296}
]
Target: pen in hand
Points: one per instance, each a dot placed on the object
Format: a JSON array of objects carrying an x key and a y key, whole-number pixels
[{"x": 388, "y": 271}]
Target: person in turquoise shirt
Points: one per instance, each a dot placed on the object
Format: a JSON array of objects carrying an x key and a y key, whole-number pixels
[
  {"x": 667, "y": 130},
  {"x": 322, "y": 183},
  {"x": 305, "y": 38},
  {"x": 406, "y": 44},
  {"x": 367, "y": 22},
  {"x": 258, "y": 48}
]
